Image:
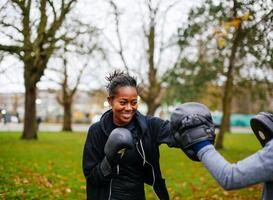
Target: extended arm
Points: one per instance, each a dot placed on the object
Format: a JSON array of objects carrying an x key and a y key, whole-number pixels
[{"x": 254, "y": 169}]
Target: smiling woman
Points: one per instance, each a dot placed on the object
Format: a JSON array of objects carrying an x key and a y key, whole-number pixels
[
  {"x": 123, "y": 100},
  {"x": 121, "y": 152}
]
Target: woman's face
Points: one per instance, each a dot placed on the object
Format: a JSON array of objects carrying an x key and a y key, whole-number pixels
[{"x": 124, "y": 105}]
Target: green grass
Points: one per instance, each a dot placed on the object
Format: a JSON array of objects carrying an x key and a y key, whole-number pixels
[{"x": 50, "y": 168}]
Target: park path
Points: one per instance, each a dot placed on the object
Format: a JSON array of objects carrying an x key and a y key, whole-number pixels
[
  {"x": 48, "y": 127},
  {"x": 52, "y": 127}
]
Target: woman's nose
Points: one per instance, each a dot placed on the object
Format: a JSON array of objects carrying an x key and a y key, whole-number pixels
[{"x": 129, "y": 107}]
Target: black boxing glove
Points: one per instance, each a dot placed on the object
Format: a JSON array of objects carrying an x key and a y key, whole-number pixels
[
  {"x": 192, "y": 123},
  {"x": 118, "y": 140},
  {"x": 262, "y": 126}
]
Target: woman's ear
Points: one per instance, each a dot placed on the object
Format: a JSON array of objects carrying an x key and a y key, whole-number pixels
[{"x": 110, "y": 100}]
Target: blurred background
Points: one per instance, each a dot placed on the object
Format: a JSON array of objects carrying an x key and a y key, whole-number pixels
[{"x": 55, "y": 55}]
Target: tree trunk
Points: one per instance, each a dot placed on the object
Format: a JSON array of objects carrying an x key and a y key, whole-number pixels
[
  {"x": 154, "y": 88},
  {"x": 225, "y": 125},
  {"x": 67, "y": 117},
  {"x": 151, "y": 108},
  {"x": 227, "y": 99},
  {"x": 30, "y": 125}
]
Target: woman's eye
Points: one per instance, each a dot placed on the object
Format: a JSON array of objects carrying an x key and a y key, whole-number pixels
[
  {"x": 122, "y": 103},
  {"x": 134, "y": 103}
]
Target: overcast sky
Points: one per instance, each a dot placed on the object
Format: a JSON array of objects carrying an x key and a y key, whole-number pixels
[{"x": 99, "y": 13}]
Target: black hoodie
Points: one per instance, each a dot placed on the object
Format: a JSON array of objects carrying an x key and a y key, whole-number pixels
[{"x": 154, "y": 131}]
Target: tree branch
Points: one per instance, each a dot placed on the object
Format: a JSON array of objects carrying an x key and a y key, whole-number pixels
[
  {"x": 11, "y": 49},
  {"x": 79, "y": 79},
  {"x": 26, "y": 24},
  {"x": 19, "y": 3},
  {"x": 53, "y": 80},
  {"x": 121, "y": 50},
  {"x": 265, "y": 17},
  {"x": 11, "y": 37},
  {"x": 53, "y": 9},
  {"x": 11, "y": 25},
  {"x": 42, "y": 25},
  {"x": 65, "y": 8},
  {"x": 162, "y": 46}
]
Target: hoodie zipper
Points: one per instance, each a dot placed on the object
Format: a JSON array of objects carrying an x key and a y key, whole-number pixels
[
  {"x": 110, "y": 189},
  {"x": 145, "y": 161},
  {"x": 110, "y": 186}
]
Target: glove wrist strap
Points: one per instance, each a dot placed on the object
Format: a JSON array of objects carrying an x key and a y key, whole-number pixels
[
  {"x": 105, "y": 167},
  {"x": 195, "y": 135}
]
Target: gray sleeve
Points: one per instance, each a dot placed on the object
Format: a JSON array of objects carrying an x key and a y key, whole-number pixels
[{"x": 254, "y": 169}]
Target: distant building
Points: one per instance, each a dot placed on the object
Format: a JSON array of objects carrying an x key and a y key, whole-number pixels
[
  {"x": 85, "y": 107},
  {"x": 11, "y": 107}
]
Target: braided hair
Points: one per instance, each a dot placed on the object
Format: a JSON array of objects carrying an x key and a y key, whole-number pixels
[{"x": 119, "y": 79}]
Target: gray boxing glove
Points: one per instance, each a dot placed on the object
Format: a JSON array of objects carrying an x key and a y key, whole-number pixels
[
  {"x": 118, "y": 140},
  {"x": 192, "y": 123}
]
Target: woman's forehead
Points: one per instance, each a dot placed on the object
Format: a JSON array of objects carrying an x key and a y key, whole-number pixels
[{"x": 126, "y": 91}]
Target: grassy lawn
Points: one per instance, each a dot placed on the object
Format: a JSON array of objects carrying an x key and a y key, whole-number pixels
[{"x": 50, "y": 168}]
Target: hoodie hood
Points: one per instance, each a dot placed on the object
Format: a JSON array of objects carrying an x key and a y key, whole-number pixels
[{"x": 107, "y": 124}]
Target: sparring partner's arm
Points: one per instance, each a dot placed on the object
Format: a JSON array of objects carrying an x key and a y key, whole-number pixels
[
  {"x": 254, "y": 169},
  {"x": 188, "y": 131},
  {"x": 99, "y": 157}
]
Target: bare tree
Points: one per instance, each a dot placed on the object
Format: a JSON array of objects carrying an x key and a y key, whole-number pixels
[
  {"x": 65, "y": 97},
  {"x": 154, "y": 47},
  {"x": 120, "y": 49},
  {"x": 75, "y": 58},
  {"x": 33, "y": 30}
]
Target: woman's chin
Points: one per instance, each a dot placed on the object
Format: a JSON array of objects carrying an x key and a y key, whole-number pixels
[{"x": 126, "y": 120}]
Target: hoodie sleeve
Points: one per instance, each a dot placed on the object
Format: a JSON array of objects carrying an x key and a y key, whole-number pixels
[
  {"x": 93, "y": 155},
  {"x": 162, "y": 129},
  {"x": 254, "y": 169}
]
